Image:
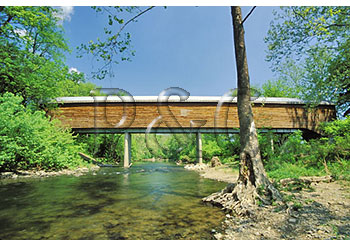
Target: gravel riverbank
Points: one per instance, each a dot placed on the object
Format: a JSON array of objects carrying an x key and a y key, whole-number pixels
[
  {"x": 24, "y": 174},
  {"x": 321, "y": 211}
]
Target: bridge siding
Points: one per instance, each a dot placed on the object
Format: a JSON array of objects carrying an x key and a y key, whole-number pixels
[{"x": 107, "y": 115}]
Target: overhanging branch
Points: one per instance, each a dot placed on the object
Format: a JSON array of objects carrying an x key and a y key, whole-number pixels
[
  {"x": 132, "y": 19},
  {"x": 250, "y": 12}
]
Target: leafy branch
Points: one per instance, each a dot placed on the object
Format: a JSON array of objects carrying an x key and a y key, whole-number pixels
[{"x": 114, "y": 48}]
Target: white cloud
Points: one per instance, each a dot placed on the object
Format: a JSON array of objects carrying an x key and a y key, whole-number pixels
[
  {"x": 20, "y": 32},
  {"x": 65, "y": 13},
  {"x": 72, "y": 69}
]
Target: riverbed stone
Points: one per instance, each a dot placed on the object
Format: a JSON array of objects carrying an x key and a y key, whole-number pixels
[
  {"x": 215, "y": 161},
  {"x": 292, "y": 220},
  {"x": 197, "y": 167},
  {"x": 6, "y": 174},
  {"x": 41, "y": 174}
]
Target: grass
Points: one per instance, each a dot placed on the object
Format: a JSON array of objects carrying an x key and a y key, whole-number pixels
[
  {"x": 228, "y": 169},
  {"x": 340, "y": 171},
  {"x": 285, "y": 170}
]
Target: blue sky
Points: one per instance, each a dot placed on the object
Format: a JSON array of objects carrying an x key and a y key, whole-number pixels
[{"x": 187, "y": 47}]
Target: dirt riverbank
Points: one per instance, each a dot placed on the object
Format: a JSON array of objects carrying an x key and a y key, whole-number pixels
[{"x": 320, "y": 211}]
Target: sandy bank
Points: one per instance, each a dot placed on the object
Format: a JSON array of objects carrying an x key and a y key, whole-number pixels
[{"x": 222, "y": 173}]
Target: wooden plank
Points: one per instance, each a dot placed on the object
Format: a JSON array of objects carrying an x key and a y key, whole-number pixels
[{"x": 187, "y": 115}]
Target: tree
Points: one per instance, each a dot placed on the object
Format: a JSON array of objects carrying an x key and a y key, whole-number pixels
[
  {"x": 242, "y": 197},
  {"x": 278, "y": 89},
  {"x": 339, "y": 71},
  {"x": 32, "y": 47},
  {"x": 317, "y": 40},
  {"x": 32, "y": 50}
]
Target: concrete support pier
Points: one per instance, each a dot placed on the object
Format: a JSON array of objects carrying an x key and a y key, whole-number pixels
[
  {"x": 199, "y": 148},
  {"x": 127, "y": 149}
]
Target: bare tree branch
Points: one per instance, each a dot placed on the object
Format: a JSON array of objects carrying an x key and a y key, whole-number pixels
[
  {"x": 250, "y": 12},
  {"x": 132, "y": 19}
]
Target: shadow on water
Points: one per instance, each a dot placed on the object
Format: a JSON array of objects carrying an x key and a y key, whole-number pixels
[
  {"x": 146, "y": 201},
  {"x": 12, "y": 195}
]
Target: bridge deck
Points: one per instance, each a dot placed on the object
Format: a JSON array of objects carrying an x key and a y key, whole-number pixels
[{"x": 120, "y": 114}]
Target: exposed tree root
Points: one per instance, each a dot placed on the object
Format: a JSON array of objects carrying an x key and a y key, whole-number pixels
[
  {"x": 243, "y": 200},
  {"x": 252, "y": 188}
]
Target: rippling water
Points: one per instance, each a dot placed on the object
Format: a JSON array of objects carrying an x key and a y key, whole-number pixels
[{"x": 146, "y": 201}]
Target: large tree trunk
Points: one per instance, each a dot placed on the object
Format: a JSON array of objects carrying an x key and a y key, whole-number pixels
[{"x": 242, "y": 197}]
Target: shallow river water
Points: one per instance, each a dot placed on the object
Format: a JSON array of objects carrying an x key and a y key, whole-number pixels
[{"x": 146, "y": 201}]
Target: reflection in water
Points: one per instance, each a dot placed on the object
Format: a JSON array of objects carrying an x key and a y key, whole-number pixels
[
  {"x": 125, "y": 179},
  {"x": 146, "y": 201}
]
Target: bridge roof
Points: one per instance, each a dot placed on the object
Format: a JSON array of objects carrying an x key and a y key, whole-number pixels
[{"x": 190, "y": 99}]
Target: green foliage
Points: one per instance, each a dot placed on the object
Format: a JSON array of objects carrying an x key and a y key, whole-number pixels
[
  {"x": 266, "y": 141},
  {"x": 152, "y": 146},
  {"x": 31, "y": 48},
  {"x": 339, "y": 75},
  {"x": 337, "y": 128},
  {"x": 288, "y": 170},
  {"x": 29, "y": 140},
  {"x": 290, "y": 156},
  {"x": 110, "y": 148},
  {"x": 181, "y": 147},
  {"x": 74, "y": 84},
  {"x": 254, "y": 91},
  {"x": 32, "y": 45},
  {"x": 115, "y": 46},
  {"x": 278, "y": 89},
  {"x": 142, "y": 150},
  {"x": 33, "y": 30},
  {"x": 297, "y": 157},
  {"x": 210, "y": 147},
  {"x": 315, "y": 40}
]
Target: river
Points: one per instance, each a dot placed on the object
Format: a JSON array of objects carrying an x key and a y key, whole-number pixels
[{"x": 146, "y": 201}]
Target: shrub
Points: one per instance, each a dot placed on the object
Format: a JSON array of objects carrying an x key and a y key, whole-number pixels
[
  {"x": 297, "y": 157},
  {"x": 109, "y": 147},
  {"x": 28, "y": 139}
]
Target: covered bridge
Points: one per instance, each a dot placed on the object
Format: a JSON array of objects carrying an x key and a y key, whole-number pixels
[{"x": 196, "y": 114}]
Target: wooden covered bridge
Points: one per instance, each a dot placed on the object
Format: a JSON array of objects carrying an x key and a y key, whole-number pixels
[{"x": 196, "y": 114}]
